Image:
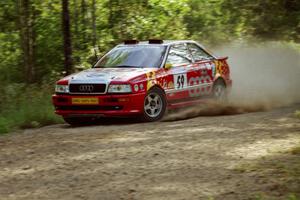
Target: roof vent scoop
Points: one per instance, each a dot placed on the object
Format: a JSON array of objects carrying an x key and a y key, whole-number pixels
[
  {"x": 131, "y": 42},
  {"x": 155, "y": 41}
]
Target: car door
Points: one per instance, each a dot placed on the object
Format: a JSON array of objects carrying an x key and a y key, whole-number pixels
[
  {"x": 202, "y": 72},
  {"x": 180, "y": 59}
]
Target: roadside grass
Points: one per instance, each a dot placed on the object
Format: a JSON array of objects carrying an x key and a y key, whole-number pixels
[
  {"x": 26, "y": 107},
  {"x": 289, "y": 197},
  {"x": 279, "y": 175},
  {"x": 297, "y": 114}
]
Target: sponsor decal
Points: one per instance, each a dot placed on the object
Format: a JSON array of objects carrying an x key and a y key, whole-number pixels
[
  {"x": 221, "y": 68},
  {"x": 213, "y": 69},
  {"x": 89, "y": 101},
  {"x": 201, "y": 86},
  {"x": 165, "y": 85},
  {"x": 208, "y": 66},
  {"x": 162, "y": 81},
  {"x": 151, "y": 79},
  {"x": 170, "y": 85},
  {"x": 180, "y": 81}
]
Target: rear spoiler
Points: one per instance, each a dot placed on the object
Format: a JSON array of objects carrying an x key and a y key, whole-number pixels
[{"x": 222, "y": 58}]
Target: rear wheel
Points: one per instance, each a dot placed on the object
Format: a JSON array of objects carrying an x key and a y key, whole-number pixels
[
  {"x": 154, "y": 105},
  {"x": 219, "y": 90}
]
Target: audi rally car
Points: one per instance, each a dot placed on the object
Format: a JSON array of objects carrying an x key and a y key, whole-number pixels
[{"x": 142, "y": 79}]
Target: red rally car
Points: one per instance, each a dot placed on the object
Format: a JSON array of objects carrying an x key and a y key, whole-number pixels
[{"x": 142, "y": 79}]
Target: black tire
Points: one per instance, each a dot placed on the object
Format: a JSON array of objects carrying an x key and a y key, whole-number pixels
[
  {"x": 157, "y": 105},
  {"x": 219, "y": 91},
  {"x": 79, "y": 121}
]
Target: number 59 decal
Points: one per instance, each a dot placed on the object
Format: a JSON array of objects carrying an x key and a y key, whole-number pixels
[{"x": 180, "y": 81}]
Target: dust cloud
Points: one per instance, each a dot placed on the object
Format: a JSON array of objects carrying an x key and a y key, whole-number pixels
[{"x": 265, "y": 76}]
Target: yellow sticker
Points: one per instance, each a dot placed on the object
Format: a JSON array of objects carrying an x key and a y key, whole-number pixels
[
  {"x": 151, "y": 79},
  {"x": 219, "y": 68},
  {"x": 170, "y": 85},
  {"x": 85, "y": 101}
]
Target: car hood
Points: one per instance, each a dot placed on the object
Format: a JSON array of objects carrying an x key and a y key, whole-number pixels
[{"x": 106, "y": 75}]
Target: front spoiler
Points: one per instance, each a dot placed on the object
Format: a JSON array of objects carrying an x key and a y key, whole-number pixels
[{"x": 130, "y": 104}]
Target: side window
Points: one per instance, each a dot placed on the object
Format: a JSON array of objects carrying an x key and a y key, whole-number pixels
[
  {"x": 198, "y": 53},
  {"x": 179, "y": 55}
]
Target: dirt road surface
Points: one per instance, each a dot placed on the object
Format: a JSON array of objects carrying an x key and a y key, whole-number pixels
[{"x": 206, "y": 157}]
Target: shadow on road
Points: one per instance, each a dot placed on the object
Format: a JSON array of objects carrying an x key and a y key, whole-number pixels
[{"x": 106, "y": 121}]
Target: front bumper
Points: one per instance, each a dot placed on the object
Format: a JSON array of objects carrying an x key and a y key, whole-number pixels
[{"x": 108, "y": 105}]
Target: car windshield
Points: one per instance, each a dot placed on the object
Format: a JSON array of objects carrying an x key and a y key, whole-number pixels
[{"x": 137, "y": 56}]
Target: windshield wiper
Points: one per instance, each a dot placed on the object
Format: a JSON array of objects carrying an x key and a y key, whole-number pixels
[
  {"x": 126, "y": 66},
  {"x": 118, "y": 66},
  {"x": 99, "y": 66}
]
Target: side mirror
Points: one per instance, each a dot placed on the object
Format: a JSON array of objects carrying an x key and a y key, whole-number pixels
[{"x": 168, "y": 66}]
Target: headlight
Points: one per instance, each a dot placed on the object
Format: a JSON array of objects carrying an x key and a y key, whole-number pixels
[
  {"x": 62, "y": 88},
  {"x": 120, "y": 88}
]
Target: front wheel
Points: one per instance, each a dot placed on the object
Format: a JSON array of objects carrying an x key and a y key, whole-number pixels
[{"x": 154, "y": 105}]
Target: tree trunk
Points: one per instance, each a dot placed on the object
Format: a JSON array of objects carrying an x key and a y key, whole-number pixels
[
  {"x": 84, "y": 24},
  {"x": 76, "y": 13},
  {"x": 27, "y": 36},
  {"x": 67, "y": 37}
]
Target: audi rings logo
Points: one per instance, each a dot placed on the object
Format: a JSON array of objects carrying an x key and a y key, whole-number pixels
[{"x": 86, "y": 88}]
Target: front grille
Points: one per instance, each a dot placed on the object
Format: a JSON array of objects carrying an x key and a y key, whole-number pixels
[
  {"x": 88, "y": 108},
  {"x": 87, "y": 88}
]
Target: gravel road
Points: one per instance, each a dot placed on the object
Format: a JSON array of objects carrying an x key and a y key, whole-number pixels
[{"x": 199, "y": 158}]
